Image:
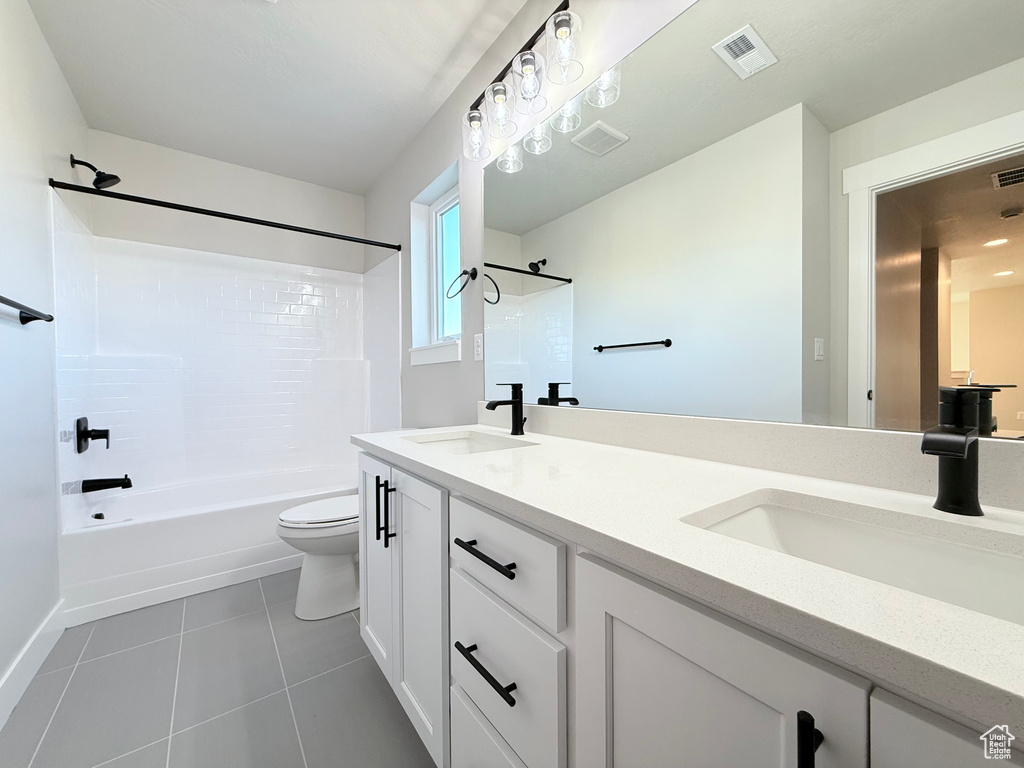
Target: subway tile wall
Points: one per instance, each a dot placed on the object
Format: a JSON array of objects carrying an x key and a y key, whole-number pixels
[{"x": 202, "y": 365}]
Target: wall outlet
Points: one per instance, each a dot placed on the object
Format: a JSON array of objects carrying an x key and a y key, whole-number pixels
[
  {"x": 1020, "y": 415},
  {"x": 819, "y": 349},
  {"x": 478, "y": 347}
]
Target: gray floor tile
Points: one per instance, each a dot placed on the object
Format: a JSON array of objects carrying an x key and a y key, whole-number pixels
[
  {"x": 224, "y": 666},
  {"x": 221, "y": 604},
  {"x": 127, "y": 630},
  {"x": 350, "y": 718},
  {"x": 20, "y": 737},
  {"x": 311, "y": 647},
  {"x": 260, "y": 735},
  {"x": 112, "y": 706},
  {"x": 281, "y": 587},
  {"x": 153, "y": 756},
  {"x": 67, "y": 650}
]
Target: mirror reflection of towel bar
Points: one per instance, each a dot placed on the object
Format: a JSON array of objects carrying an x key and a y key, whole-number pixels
[
  {"x": 26, "y": 314},
  {"x": 662, "y": 343}
]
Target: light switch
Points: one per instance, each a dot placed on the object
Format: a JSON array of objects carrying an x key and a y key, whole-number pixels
[
  {"x": 819, "y": 349},
  {"x": 478, "y": 347}
]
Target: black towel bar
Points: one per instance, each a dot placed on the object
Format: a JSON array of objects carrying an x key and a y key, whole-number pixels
[{"x": 662, "y": 343}]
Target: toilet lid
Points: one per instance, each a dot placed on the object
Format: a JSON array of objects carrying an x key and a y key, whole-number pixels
[{"x": 336, "y": 509}]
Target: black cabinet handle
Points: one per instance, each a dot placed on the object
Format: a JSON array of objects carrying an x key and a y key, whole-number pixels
[
  {"x": 505, "y": 691},
  {"x": 379, "y": 486},
  {"x": 505, "y": 570},
  {"x": 808, "y": 739},
  {"x": 388, "y": 490}
]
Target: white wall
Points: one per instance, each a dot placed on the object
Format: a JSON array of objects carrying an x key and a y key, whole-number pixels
[
  {"x": 41, "y": 124},
  {"x": 686, "y": 253},
  {"x": 149, "y": 170},
  {"x": 447, "y": 393},
  {"x": 203, "y": 365}
]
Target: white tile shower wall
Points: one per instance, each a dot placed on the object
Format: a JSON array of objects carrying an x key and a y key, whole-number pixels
[{"x": 202, "y": 365}]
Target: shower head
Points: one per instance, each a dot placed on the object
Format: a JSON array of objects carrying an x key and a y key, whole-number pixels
[
  {"x": 536, "y": 265},
  {"x": 102, "y": 180}
]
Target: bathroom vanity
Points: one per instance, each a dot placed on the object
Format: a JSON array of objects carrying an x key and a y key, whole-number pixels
[{"x": 550, "y": 602}]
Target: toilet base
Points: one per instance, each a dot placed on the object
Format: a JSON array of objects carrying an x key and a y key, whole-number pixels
[{"x": 328, "y": 586}]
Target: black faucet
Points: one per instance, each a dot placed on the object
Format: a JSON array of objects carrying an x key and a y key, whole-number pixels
[
  {"x": 88, "y": 486},
  {"x": 83, "y": 435},
  {"x": 553, "y": 398},
  {"x": 955, "y": 442},
  {"x": 517, "y": 407}
]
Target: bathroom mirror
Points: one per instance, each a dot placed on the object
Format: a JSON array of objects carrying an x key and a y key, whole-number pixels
[{"x": 714, "y": 203}]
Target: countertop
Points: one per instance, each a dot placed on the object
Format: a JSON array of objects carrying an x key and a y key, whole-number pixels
[{"x": 624, "y": 505}]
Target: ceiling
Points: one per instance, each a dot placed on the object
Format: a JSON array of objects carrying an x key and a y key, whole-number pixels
[
  {"x": 845, "y": 60},
  {"x": 959, "y": 213},
  {"x": 326, "y": 91}
]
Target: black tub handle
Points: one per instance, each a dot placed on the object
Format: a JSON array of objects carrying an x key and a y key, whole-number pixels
[
  {"x": 508, "y": 571},
  {"x": 505, "y": 691}
]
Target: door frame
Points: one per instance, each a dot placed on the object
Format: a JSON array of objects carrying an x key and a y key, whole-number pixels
[{"x": 862, "y": 184}]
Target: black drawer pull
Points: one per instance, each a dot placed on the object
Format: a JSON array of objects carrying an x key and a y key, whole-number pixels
[
  {"x": 505, "y": 570},
  {"x": 505, "y": 691},
  {"x": 808, "y": 739}
]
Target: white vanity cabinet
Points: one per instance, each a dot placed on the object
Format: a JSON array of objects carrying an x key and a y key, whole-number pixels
[
  {"x": 403, "y": 568},
  {"x": 662, "y": 682}
]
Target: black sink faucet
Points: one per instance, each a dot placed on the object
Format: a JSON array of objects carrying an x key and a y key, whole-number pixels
[
  {"x": 955, "y": 442},
  {"x": 517, "y": 407},
  {"x": 103, "y": 484},
  {"x": 553, "y": 398}
]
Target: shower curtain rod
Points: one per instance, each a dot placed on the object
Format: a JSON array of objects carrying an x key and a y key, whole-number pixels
[
  {"x": 527, "y": 272},
  {"x": 220, "y": 215}
]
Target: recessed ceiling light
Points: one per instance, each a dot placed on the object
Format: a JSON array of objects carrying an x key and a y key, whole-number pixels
[
  {"x": 1007, "y": 273},
  {"x": 1000, "y": 241}
]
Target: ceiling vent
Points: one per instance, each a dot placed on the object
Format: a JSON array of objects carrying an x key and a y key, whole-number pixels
[
  {"x": 599, "y": 139},
  {"x": 1008, "y": 178},
  {"x": 745, "y": 52}
]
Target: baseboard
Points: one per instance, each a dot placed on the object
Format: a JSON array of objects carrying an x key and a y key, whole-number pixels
[{"x": 28, "y": 661}]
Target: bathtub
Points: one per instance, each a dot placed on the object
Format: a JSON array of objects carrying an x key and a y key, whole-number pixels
[{"x": 152, "y": 546}]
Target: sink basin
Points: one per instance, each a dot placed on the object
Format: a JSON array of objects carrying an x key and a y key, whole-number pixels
[
  {"x": 467, "y": 442},
  {"x": 973, "y": 567}
]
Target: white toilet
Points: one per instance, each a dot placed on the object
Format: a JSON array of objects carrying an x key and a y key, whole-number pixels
[{"x": 326, "y": 530}]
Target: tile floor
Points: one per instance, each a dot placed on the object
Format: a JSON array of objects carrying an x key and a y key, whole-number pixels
[{"x": 225, "y": 679}]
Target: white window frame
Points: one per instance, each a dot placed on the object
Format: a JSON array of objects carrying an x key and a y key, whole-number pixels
[{"x": 442, "y": 205}]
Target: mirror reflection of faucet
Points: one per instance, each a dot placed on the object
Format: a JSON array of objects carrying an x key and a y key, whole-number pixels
[
  {"x": 553, "y": 397},
  {"x": 83, "y": 435}
]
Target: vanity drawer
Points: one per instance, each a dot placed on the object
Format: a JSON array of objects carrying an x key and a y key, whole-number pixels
[
  {"x": 506, "y": 649},
  {"x": 475, "y": 743},
  {"x": 537, "y": 583}
]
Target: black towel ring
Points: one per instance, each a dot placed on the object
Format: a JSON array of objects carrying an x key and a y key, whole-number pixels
[
  {"x": 496, "y": 290},
  {"x": 472, "y": 276}
]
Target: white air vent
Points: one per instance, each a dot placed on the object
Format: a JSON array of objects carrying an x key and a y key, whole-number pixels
[
  {"x": 745, "y": 52},
  {"x": 599, "y": 139},
  {"x": 1008, "y": 178}
]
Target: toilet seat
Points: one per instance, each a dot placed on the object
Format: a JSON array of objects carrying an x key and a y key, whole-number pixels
[{"x": 333, "y": 512}]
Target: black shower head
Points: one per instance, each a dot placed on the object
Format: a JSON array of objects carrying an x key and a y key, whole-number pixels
[
  {"x": 536, "y": 265},
  {"x": 102, "y": 180}
]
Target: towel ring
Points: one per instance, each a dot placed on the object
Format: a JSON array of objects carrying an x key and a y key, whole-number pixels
[
  {"x": 496, "y": 289},
  {"x": 471, "y": 273}
]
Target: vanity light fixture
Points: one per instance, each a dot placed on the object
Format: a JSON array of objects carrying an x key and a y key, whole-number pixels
[
  {"x": 569, "y": 116},
  {"x": 565, "y": 40},
  {"x": 511, "y": 160},
  {"x": 501, "y": 101},
  {"x": 475, "y": 142},
  {"x": 528, "y": 76},
  {"x": 604, "y": 91},
  {"x": 538, "y": 140},
  {"x": 997, "y": 241},
  {"x": 1004, "y": 273}
]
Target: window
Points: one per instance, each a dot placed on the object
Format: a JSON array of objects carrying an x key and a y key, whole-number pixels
[{"x": 446, "y": 264}]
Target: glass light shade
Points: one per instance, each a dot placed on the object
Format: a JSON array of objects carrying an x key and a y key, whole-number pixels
[
  {"x": 511, "y": 160},
  {"x": 528, "y": 78},
  {"x": 475, "y": 141},
  {"x": 564, "y": 34},
  {"x": 538, "y": 140},
  {"x": 604, "y": 91},
  {"x": 501, "y": 101},
  {"x": 569, "y": 116}
]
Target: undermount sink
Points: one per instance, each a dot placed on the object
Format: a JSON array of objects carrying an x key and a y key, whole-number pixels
[
  {"x": 973, "y": 567},
  {"x": 467, "y": 442}
]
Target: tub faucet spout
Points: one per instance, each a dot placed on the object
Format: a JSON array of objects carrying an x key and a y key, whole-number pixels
[{"x": 103, "y": 484}]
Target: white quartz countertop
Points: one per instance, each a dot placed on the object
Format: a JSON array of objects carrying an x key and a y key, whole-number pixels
[{"x": 625, "y": 504}]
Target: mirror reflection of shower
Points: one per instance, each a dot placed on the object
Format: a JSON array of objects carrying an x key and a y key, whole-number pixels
[{"x": 102, "y": 180}]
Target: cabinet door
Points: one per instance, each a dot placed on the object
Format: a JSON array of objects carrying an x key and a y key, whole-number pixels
[
  {"x": 421, "y": 601},
  {"x": 662, "y": 682},
  {"x": 376, "y": 605}
]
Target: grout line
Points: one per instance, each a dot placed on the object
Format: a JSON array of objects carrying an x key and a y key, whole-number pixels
[
  {"x": 61, "y": 699},
  {"x": 284, "y": 679},
  {"x": 221, "y": 621},
  {"x": 327, "y": 672},
  {"x": 222, "y": 714},
  {"x": 132, "y": 648},
  {"x": 144, "y": 746},
  {"x": 177, "y": 672}
]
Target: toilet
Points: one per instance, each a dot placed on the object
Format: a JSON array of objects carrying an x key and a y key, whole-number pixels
[{"x": 326, "y": 531}]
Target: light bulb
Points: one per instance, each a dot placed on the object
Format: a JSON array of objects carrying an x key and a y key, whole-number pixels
[
  {"x": 563, "y": 38},
  {"x": 474, "y": 136}
]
